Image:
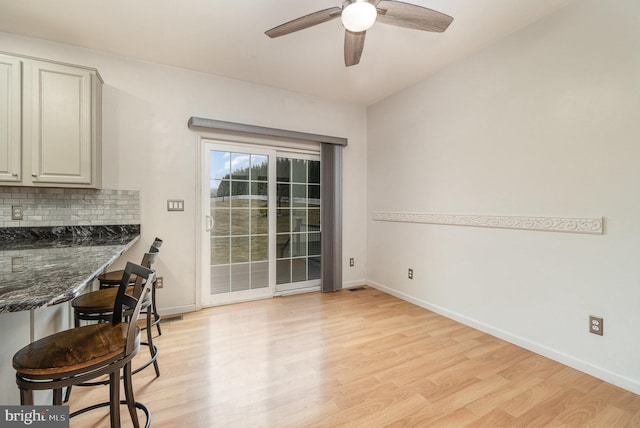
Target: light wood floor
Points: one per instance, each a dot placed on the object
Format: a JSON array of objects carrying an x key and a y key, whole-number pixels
[{"x": 356, "y": 359}]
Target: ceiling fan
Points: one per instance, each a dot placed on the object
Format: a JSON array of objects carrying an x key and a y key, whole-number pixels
[{"x": 359, "y": 15}]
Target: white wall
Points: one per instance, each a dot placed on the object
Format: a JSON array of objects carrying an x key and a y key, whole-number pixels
[
  {"x": 543, "y": 123},
  {"x": 148, "y": 147}
]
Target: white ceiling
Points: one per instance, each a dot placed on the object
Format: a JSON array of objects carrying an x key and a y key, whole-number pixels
[{"x": 226, "y": 38}]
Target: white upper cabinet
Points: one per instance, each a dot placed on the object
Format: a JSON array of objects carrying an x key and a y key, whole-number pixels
[
  {"x": 10, "y": 119},
  {"x": 61, "y": 125}
]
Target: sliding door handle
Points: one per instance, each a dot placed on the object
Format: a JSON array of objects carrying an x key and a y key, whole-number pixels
[{"x": 209, "y": 223}]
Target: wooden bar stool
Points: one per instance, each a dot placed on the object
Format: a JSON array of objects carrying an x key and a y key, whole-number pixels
[
  {"x": 98, "y": 306},
  {"x": 80, "y": 354},
  {"x": 112, "y": 279}
]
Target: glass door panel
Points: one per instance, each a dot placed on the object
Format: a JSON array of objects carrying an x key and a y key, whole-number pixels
[
  {"x": 238, "y": 200},
  {"x": 298, "y": 223}
]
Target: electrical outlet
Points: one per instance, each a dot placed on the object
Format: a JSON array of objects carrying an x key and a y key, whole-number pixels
[
  {"x": 16, "y": 212},
  {"x": 352, "y": 262},
  {"x": 410, "y": 275},
  {"x": 159, "y": 282},
  {"x": 17, "y": 264},
  {"x": 596, "y": 325}
]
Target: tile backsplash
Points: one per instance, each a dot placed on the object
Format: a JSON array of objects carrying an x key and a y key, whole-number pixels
[{"x": 69, "y": 207}]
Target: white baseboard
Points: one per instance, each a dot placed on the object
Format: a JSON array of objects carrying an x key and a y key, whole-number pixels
[
  {"x": 176, "y": 310},
  {"x": 356, "y": 283},
  {"x": 584, "y": 366}
]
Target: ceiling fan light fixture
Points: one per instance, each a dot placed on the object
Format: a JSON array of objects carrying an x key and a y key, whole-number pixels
[{"x": 359, "y": 16}]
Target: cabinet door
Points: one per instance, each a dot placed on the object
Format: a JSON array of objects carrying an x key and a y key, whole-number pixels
[
  {"x": 61, "y": 124},
  {"x": 10, "y": 119}
]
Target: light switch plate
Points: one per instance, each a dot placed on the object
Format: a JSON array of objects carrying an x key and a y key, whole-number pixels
[{"x": 175, "y": 204}]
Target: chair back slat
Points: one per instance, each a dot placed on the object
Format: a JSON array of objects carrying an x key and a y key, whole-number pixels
[
  {"x": 157, "y": 243},
  {"x": 147, "y": 261},
  {"x": 130, "y": 305},
  {"x": 149, "y": 258}
]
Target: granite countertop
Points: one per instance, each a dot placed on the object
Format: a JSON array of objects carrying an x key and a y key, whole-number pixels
[{"x": 45, "y": 267}]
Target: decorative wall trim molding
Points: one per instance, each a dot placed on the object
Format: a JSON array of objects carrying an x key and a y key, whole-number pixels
[{"x": 591, "y": 226}]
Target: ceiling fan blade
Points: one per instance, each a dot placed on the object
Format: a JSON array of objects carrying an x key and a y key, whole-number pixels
[
  {"x": 412, "y": 16},
  {"x": 353, "y": 46},
  {"x": 305, "y": 22}
]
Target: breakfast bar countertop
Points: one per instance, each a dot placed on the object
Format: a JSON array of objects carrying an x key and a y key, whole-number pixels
[{"x": 45, "y": 269}]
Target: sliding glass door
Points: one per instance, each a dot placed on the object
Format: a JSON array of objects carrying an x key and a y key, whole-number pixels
[{"x": 262, "y": 222}]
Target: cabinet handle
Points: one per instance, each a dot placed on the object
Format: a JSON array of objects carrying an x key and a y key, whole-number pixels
[
  {"x": 15, "y": 174},
  {"x": 33, "y": 174}
]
